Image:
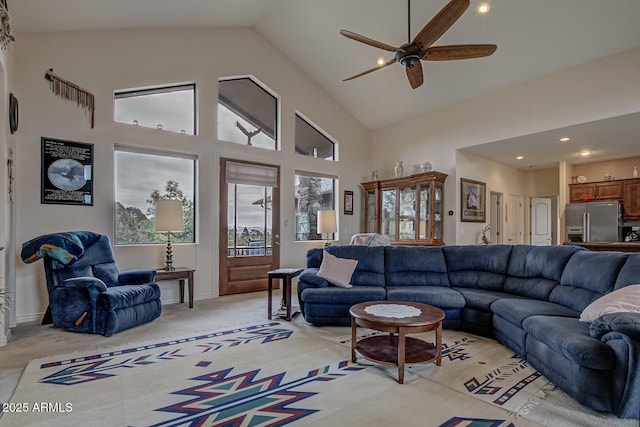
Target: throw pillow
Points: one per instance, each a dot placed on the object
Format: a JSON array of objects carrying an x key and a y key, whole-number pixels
[
  {"x": 625, "y": 299},
  {"x": 337, "y": 271}
]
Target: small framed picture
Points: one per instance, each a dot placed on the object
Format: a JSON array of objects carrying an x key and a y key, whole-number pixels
[
  {"x": 472, "y": 201},
  {"x": 348, "y": 202}
]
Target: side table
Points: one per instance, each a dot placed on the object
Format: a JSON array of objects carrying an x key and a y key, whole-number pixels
[
  {"x": 286, "y": 274},
  {"x": 181, "y": 274}
]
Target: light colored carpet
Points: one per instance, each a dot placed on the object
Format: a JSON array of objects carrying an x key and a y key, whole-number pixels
[
  {"x": 477, "y": 367},
  {"x": 258, "y": 375},
  {"x": 410, "y": 404}
]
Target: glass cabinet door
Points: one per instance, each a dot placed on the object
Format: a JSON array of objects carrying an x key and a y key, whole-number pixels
[
  {"x": 407, "y": 229},
  {"x": 388, "y": 213},
  {"x": 437, "y": 215},
  {"x": 425, "y": 212},
  {"x": 371, "y": 212}
]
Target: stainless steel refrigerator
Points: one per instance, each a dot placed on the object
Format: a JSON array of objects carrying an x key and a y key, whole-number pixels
[{"x": 593, "y": 222}]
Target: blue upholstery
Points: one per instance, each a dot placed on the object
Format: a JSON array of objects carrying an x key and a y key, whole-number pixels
[
  {"x": 91, "y": 295},
  {"x": 528, "y": 297}
]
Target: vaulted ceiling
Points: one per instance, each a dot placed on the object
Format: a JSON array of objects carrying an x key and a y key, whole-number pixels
[{"x": 534, "y": 38}]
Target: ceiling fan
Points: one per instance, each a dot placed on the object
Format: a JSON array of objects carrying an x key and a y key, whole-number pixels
[{"x": 410, "y": 54}]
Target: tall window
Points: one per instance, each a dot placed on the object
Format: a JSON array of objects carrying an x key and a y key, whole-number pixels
[
  {"x": 247, "y": 113},
  {"x": 310, "y": 141},
  {"x": 141, "y": 178},
  {"x": 170, "y": 108},
  {"x": 312, "y": 194}
]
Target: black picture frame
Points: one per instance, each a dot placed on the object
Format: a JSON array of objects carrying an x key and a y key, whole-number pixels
[
  {"x": 472, "y": 201},
  {"x": 348, "y": 202},
  {"x": 66, "y": 172}
]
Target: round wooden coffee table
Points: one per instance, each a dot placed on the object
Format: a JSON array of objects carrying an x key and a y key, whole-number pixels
[{"x": 399, "y": 318}]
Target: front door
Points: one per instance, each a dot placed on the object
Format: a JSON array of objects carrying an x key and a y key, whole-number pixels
[{"x": 249, "y": 225}]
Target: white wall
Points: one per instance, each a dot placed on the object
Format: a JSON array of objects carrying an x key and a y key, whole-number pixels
[
  {"x": 105, "y": 61},
  {"x": 600, "y": 89}
]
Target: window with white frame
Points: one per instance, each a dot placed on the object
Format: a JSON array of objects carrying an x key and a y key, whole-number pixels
[
  {"x": 311, "y": 141},
  {"x": 141, "y": 178},
  {"x": 247, "y": 113},
  {"x": 313, "y": 193},
  {"x": 169, "y": 108}
]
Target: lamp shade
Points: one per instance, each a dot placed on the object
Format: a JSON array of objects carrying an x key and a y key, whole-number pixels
[
  {"x": 169, "y": 215},
  {"x": 327, "y": 221}
]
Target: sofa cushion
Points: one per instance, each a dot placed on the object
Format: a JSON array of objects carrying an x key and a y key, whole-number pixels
[
  {"x": 433, "y": 295},
  {"x": 480, "y": 266},
  {"x": 310, "y": 277},
  {"x": 480, "y": 298},
  {"x": 587, "y": 276},
  {"x": 516, "y": 310},
  {"x": 625, "y": 299},
  {"x": 571, "y": 338},
  {"x": 117, "y": 297},
  {"x": 630, "y": 272},
  {"x": 415, "y": 266},
  {"x": 534, "y": 271},
  {"x": 337, "y": 271},
  {"x": 370, "y": 269},
  {"x": 335, "y": 295}
]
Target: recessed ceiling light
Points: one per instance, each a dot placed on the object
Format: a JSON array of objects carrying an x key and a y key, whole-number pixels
[
  {"x": 585, "y": 153},
  {"x": 484, "y": 8},
  {"x": 380, "y": 61},
  {"x": 519, "y": 157},
  {"x": 565, "y": 139}
]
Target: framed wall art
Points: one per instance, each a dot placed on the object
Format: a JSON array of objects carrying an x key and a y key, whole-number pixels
[
  {"x": 472, "y": 200},
  {"x": 348, "y": 202},
  {"x": 67, "y": 172}
]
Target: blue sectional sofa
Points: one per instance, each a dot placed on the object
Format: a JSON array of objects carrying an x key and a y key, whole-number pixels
[{"x": 529, "y": 298}]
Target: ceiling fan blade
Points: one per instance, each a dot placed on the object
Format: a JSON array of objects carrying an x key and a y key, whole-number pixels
[
  {"x": 462, "y": 51},
  {"x": 367, "y": 40},
  {"x": 386, "y": 64},
  {"x": 415, "y": 76},
  {"x": 440, "y": 23}
]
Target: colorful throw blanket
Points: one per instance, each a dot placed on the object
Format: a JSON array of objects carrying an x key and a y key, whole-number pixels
[
  {"x": 370, "y": 239},
  {"x": 63, "y": 248}
]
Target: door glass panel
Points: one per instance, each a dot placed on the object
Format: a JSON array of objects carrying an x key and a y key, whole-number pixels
[
  {"x": 407, "y": 213},
  {"x": 437, "y": 215},
  {"x": 249, "y": 220},
  {"x": 425, "y": 229},
  {"x": 388, "y": 220},
  {"x": 371, "y": 212}
]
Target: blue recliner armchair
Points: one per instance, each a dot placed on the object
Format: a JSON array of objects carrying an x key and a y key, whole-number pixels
[{"x": 87, "y": 292}]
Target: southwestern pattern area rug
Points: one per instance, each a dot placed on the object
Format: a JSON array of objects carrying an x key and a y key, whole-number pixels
[{"x": 268, "y": 374}]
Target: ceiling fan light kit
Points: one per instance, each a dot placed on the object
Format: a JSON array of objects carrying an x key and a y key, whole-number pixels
[{"x": 410, "y": 54}]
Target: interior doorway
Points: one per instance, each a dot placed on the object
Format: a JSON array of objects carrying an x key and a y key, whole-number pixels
[
  {"x": 249, "y": 225},
  {"x": 513, "y": 220},
  {"x": 541, "y": 225}
]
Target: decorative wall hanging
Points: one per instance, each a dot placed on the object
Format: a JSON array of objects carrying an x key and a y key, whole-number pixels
[
  {"x": 67, "y": 90},
  {"x": 6, "y": 34},
  {"x": 348, "y": 202},
  {"x": 67, "y": 172},
  {"x": 472, "y": 200}
]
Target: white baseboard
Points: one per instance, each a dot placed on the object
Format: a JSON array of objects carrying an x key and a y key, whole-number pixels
[{"x": 4, "y": 340}]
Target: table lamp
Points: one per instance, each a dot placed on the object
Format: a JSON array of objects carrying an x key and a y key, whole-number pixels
[
  {"x": 169, "y": 219},
  {"x": 327, "y": 223}
]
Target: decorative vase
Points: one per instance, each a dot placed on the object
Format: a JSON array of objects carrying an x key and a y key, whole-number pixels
[
  {"x": 374, "y": 175},
  {"x": 635, "y": 172},
  {"x": 425, "y": 167},
  {"x": 398, "y": 169}
]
